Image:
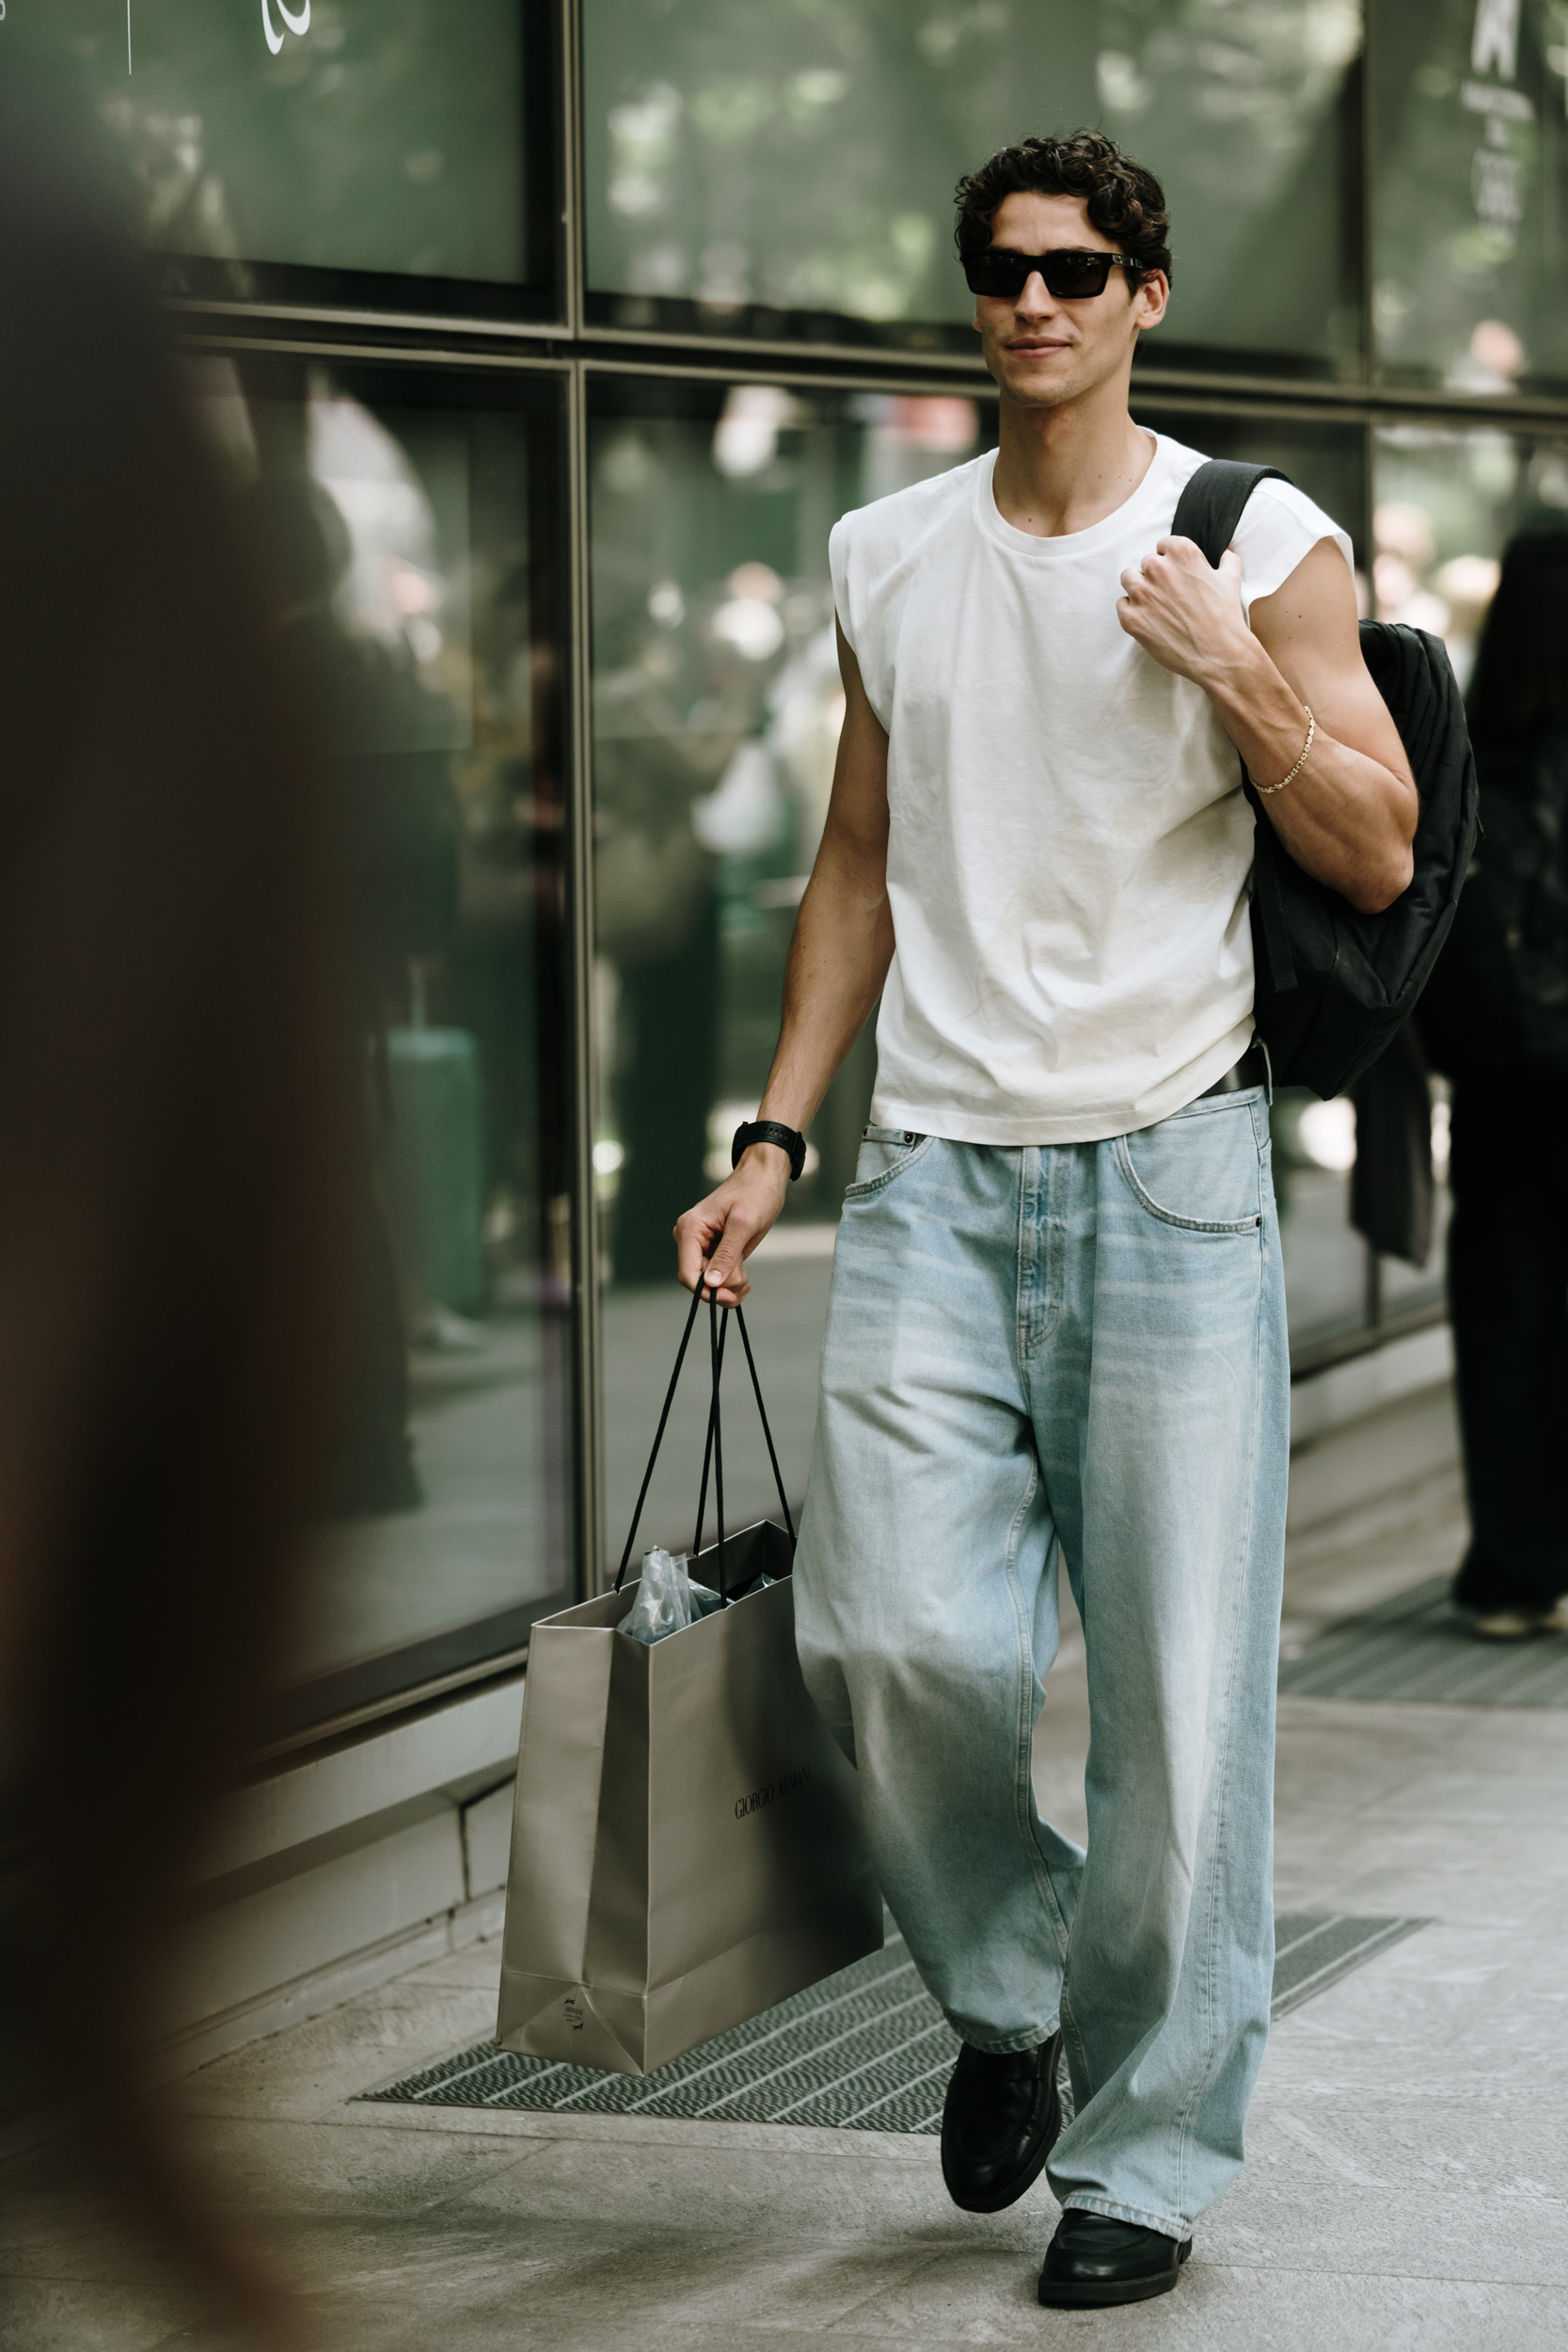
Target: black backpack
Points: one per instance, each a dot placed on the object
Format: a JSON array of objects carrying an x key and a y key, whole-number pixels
[{"x": 1333, "y": 986}]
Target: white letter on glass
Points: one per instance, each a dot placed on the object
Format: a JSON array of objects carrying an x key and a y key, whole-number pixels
[
  {"x": 1495, "y": 41},
  {"x": 301, "y": 22}
]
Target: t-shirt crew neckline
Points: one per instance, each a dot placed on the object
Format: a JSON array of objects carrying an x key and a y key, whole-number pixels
[{"x": 1065, "y": 546}]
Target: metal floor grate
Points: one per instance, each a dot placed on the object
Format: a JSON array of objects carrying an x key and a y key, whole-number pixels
[
  {"x": 867, "y": 2049},
  {"x": 1419, "y": 1646},
  {"x": 1311, "y": 1952}
]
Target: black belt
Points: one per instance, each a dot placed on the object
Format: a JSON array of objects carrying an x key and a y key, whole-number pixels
[{"x": 1251, "y": 1070}]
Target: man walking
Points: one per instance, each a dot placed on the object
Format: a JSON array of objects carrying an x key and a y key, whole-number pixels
[{"x": 1058, "y": 1327}]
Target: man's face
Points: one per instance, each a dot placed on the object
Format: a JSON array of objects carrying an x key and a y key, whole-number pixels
[{"x": 1043, "y": 351}]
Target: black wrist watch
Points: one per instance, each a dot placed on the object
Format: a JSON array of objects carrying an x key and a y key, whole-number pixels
[{"x": 770, "y": 1131}]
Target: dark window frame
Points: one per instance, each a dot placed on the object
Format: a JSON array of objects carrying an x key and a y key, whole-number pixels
[{"x": 538, "y": 298}]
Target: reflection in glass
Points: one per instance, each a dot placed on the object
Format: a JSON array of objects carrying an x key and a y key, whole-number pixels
[
  {"x": 1327, "y": 1292},
  {"x": 1471, "y": 139},
  {"x": 412, "y": 548},
  {"x": 377, "y": 135},
  {"x": 1446, "y": 503},
  {"x": 717, "y": 706},
  {"x": 767, "y": 168}
]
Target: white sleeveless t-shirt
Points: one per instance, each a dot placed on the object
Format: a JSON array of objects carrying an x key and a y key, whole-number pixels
[{"x": 1070, "y": 845}]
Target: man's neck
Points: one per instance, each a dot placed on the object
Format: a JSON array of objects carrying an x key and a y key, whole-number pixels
[{"x": 1066, "y": 468}]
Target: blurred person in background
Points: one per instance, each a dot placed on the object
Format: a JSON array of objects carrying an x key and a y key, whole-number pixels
[
  {"x": 176, "y": 1088},
  {"x": 657, "y": 907},
  {"x": 400, "y": 893},
  {"x": 1494, "y": 1018}
]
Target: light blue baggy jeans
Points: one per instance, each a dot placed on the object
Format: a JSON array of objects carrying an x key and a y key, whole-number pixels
[{"x": 1073, "y": 1351}]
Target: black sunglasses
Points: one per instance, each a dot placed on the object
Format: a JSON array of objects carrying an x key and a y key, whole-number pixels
[{"x": 1068, "y": 275}]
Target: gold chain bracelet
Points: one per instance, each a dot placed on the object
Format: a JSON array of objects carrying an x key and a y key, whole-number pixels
[{"x": 1268, "y": 790}]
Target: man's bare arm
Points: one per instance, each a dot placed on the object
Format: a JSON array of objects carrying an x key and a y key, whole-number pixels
[
  {"x": 1349, "y": 815},
  {"x": 838, "y": 960}
]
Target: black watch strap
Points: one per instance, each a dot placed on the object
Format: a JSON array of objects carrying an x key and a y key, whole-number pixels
[{"x": 770, "y": 1131}]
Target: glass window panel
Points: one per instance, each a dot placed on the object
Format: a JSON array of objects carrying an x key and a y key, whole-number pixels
[
  {"x": 1327, "y": 1292},
  {"x": 373, "y": 139},
  {"x": 781, "y": 168},
  {"x": 1447, "y": 503},
  {"x": 1471, "y": 141},
  {"x": 413, "y": 530},
  {"x": 717, "y": 707}
]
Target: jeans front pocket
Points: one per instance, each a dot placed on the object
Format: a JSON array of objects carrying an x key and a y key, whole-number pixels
[
  {"x": 884, "y": 1152},
  {"x": 1203, "y": 1169}
]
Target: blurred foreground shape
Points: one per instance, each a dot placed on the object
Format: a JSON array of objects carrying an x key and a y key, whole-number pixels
[{"x": 177, "y": 1072}]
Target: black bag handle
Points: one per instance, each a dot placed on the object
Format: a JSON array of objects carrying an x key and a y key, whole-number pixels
[{"x": 713, "y": 1449}]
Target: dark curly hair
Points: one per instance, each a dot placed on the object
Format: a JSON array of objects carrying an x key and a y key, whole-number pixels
[{"x": 1126, "y": 203}]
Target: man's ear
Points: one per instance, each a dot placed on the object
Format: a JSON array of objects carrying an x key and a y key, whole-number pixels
[{"x": 1152, "y": 293}]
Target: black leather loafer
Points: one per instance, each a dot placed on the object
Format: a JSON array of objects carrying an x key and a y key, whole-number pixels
[
  {"x": 1093, "y": 2259},
  {"x": 1001, "y": 2121}
]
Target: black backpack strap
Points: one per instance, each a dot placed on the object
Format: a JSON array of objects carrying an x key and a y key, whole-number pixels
[
  {"x": 1213, "y": 502},
  {"x": 1268, "y": 890},
  {"x": 1207, "y": 513}
]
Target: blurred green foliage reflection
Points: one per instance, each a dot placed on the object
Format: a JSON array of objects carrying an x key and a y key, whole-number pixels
[
  {"x": 798, "y": 158},
  {"x": 347, "y": 134}
]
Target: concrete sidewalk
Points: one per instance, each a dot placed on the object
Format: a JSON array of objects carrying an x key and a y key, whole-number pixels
[{"x": 1405, "y": 2184}]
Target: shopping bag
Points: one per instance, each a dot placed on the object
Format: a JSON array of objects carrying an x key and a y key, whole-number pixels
[{"x": 687, "y": 1843}]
